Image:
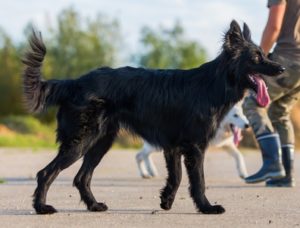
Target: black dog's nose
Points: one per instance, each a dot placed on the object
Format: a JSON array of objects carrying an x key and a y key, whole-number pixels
[
  {"x": 247, "y": 126},
  {"x": 281, "y": 69}
]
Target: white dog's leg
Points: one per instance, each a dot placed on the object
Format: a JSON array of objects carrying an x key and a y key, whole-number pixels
[
  {"x": 151, "y": 168},
  {"x": 239, "y": 159},
  {"x": 145, "y": 164},
  {"x": 150, "y": 165},
  {"x": 140, "y": 159}
]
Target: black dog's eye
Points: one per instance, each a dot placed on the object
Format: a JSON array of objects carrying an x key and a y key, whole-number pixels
[
  {"x": 236, "y": 115},
  {"x": 257, "y": 57}
]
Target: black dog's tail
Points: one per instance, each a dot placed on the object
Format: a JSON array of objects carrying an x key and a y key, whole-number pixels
[{"x": 38, "y": 93}]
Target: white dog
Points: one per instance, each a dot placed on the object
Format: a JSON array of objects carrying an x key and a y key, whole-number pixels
[{"x": 227, "y": 137}]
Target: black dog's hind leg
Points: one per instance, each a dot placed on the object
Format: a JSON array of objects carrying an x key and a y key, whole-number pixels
[
  {"x": 46, "y": 176},
  {"x": 194, "y": 158},
  {"x": 84, "y": 176},
  {"x": 173, "y": 162}
]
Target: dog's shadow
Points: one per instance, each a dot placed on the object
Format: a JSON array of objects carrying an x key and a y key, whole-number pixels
[
  {"x": 68, "y": 212},
  {"x": 122, "y": 182},
  {"x": 16, "y": 212},
  {"x": 97, "y": 182},
  {"x": 116, "y": 211},
  {"x": 148, "y": 212}
]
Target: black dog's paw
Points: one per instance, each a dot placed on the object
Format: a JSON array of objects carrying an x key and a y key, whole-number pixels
[
  {"x": 43, "y": 209},
  {"x": 166, "y": 204},
  {"x": 216, "y": 209},
  {"x": 98, "y": 207}
]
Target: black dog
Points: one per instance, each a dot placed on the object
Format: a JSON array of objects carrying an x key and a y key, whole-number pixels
[{"x": 165, "y": 107}]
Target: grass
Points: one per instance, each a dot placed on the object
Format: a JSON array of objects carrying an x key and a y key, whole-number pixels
[{"x": 26, "y": 131}]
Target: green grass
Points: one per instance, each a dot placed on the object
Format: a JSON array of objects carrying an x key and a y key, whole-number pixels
[
  {"x": 26, "y": 131},
  {"x": 26, "y": 141},
  {"x": 26, "y": 125},
  {"x": 2, "y": 181}
]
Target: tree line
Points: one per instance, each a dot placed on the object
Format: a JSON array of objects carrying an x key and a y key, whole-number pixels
[{"x": 76, "y": 45}]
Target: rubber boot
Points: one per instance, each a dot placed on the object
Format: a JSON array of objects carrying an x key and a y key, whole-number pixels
[
  {"x": 271, "y": 156},
  {"x": 288, "y": 164}
]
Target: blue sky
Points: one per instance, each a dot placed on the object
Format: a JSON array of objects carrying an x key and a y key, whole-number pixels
[{"x": 204, "y": 21}]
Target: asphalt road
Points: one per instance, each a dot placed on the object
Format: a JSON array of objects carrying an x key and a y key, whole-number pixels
[{"x": 134, "y": 202}]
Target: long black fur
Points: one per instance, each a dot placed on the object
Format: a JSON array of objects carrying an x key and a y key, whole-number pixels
[{"x": 165, "y": 107}]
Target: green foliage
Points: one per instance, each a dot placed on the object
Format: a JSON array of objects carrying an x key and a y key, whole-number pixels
[
  {"x": 78, "y": 45},
  {"x": 25, "y": 124},
  {"x": 168, "y": 48},
  {"x": 75, "y": 45},
  {"x": 26, "y": 131},
  {"x": 10, "y": 79}
]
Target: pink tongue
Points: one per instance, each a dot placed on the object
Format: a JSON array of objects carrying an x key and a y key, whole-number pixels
[
  {"x": 262, "y": 98},
  {"x": 237, "y": 135}
]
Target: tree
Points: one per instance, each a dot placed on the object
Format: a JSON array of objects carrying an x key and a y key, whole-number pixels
[
  {"x": 168, "y": 48},
  {"x": 76, "y": 44},
  {"x": 10, "y": 80}
]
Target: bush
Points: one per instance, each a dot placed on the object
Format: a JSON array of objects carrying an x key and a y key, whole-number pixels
[{"x": 26, "y": 131}]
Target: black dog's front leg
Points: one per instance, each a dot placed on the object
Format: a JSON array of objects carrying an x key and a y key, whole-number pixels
[
  {"x": 193, "y": 160},
  {"x": 173, "y": 163}
]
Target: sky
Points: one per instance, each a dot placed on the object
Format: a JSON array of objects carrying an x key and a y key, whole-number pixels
[{"x": 203, "y": 21}]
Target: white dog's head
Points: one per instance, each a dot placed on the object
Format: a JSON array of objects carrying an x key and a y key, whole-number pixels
[
  {"x": 235, "y": 120},
  {"x": 236, "y": 117}
]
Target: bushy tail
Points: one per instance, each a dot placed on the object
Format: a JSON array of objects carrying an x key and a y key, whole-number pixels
[
  {"x": 33, "y": 85},
  {"x": 38, "y": 93}
]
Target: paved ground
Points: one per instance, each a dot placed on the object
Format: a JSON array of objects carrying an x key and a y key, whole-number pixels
[{"x": 134, "y": 202}]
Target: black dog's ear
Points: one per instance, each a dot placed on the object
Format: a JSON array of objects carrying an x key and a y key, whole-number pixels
[
  {"x": 233, "y": 37},
  {"x": 246, "y": 32}
]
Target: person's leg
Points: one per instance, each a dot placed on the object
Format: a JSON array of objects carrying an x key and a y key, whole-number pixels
[
  {"x": 279, "y": 113},
  {"x": 289, "y": 84},
  {"x": 285, "y": 85},
  {"x": 268, "y": 142},
  {"x": 288, "y": 163}
]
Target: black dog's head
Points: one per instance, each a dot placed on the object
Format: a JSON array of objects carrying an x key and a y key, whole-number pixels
[{"x": 247, "y": 62}]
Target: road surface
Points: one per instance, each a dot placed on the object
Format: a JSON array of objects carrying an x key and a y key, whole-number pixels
[{"x": 134, "y": 202}]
